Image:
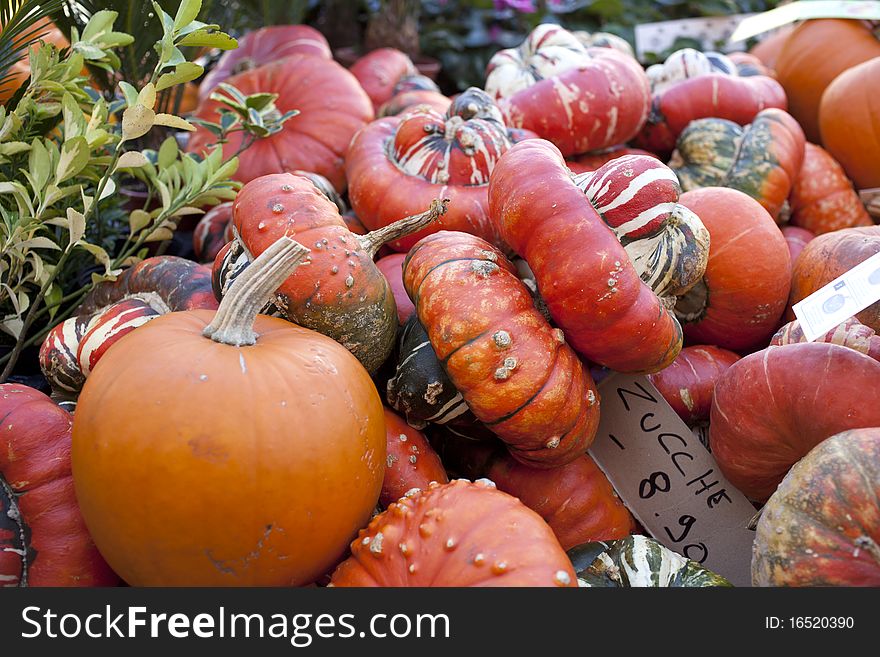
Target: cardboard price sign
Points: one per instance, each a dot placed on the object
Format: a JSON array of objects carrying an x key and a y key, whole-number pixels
[{"x": 669, "y": 480}]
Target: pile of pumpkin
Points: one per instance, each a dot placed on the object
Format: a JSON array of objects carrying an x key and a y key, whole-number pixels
[{"x": 292, "y": 411}]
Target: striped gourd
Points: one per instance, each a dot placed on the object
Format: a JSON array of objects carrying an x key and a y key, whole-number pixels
[
  {"x": 638, "y": 561},
  {"x": 420, "y": 388},
  {"x": 637, "y": 196}
]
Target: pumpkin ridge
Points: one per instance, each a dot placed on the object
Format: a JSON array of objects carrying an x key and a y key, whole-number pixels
[
  {"x": 864, "y": 476},
  {"x": 522, "y": 406},
  {"x": 466, "y": 343}
]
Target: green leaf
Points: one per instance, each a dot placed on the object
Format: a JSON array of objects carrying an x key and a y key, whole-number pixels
[
  {"x": 182, "y": 73},
  {"x": 205, "y": 39},
  {"x": 77, "y": 223},
  {"x": 187, "y": 12},
  {"x": 147, "y": 96},
  {"x": 130, "y": 93},
  {"x": 72, "y": 117},
  {"x": 168, "y": 153},
  {"x": 99, "y": 253},
  {"x": 137, "y": 220},
  {"x": 100, "y": 22},
  {"x": 88, "y": 51},
  {"x": 137, "y": 121},
  {"x": 39, "y": 165},
  {"x": 109, "y": 189},
  {"x": 131, "y": 160},
  {"x": 39, "y": 243},
  {"x": 160, "y": 234},
  {"x": 14, "y": 147},
  {"x": 227, "y": 170},
  {"x": 53, "y": 299},
  {"x": 171, "y": 121},
  {"x": 74, "y": 157},
  {"x": 259, "y": 101}
]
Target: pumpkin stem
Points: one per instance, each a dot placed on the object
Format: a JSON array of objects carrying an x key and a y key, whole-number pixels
[
  {"x": 233, "y": 324},
  {"x": 406, "y": 226}
]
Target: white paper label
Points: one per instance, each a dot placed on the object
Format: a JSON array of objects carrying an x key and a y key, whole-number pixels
[
  {"x": 842, "y": 298},
  {"x": 713, "y": 32},
  {"x": 669, "y": 480},
  {"x": 799, "y": 11}
]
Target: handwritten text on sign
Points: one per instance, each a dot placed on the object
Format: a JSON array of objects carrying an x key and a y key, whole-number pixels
[{"x": 669, "y": 480}]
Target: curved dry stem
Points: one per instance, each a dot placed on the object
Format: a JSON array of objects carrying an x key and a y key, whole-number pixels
[
  {"x": 252, "y": 290},
  {"x": 406, "y": 226}
]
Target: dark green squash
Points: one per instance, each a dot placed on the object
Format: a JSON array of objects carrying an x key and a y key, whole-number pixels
[
  {"x": 637, "y": 561},
  {"x": 420, "y": 388}
]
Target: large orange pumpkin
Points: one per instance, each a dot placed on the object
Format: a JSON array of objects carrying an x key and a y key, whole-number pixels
[
  {"x": 332, "y": 108},
  {"x": 742, "y": 296},
  {"x": 228, "y": 448},
  {"x": 813, "y": 55},
  {"x": 849, "y": 119},
  {"x": 458, "y": 534}
]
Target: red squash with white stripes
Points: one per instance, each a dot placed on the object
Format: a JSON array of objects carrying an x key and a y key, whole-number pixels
[
  {"x": 605, "y": 296},
  {"x": 397, "y": 165},
  {"x": 154, "y": 287},
  {"x": 851, "y": 333},
  {"x": 592, "y": 161},
  {"x": 692, "y": 85},
  {"x": 688, "y": 383},
  {"x": 773, "y": 406},
  {"x": 43, "y": 538},
  {"x": 580, "y": 98},
  {"x": 516, "y": 373},
  {"x": 742, "y": 296},
  {"x": 263, "y": 46},
  {"x": 411, "y": 91}
]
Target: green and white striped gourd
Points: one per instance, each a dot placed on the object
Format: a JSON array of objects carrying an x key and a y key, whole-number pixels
[{"x": 637, "y": 561}]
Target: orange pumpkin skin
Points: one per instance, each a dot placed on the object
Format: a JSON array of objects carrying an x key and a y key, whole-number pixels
[
  {"x": 584, "y": 274},
  {"x": 576, "y": 499},
  {"x": 687, "y": 384},
  {"x": 767, "y": 50},
  {"x": 380, "y": 70},
  {"x": 410, "y": 462},
  {"x": 747, "y": 280},
  {"x": 849, "y": 120},
  {"x": 774, "y": 406},
  {"x": 457, "y": 534},
  {"x": 264, "y": 46},
  {"x": 822, "y": 526},
  {"x": 264, "y": 486},
  {"x": 515, "y": 372},
  {"x": 332, "y": 108},
  {"x": 813, "y": 55},
  {"x": 797, "y": 238},
  {"x": 827, "y": 257},
  {"x": 823, "y": 199},
  {"x": 43, "y": 539}
]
